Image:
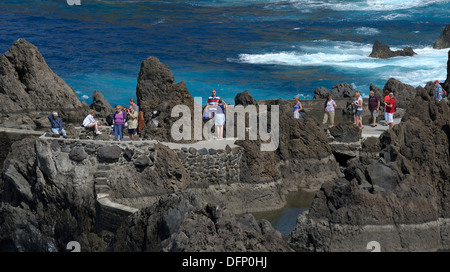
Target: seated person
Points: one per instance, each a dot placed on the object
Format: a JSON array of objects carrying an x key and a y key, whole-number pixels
[
  {"x": 56, "y": 123},
  {"x": 90, "y": 122}
]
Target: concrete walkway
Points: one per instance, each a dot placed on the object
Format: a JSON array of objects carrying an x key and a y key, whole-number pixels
[{"x": 369, "y": 131}]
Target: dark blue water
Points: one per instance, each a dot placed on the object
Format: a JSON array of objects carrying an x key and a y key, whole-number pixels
[{"x": 274, "y": 49}]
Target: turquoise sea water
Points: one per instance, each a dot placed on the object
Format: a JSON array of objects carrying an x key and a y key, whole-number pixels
[{"x": 274, "y": 49}]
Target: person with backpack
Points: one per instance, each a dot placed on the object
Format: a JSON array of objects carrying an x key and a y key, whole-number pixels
[
  {"x": 438, "y": 92},
  {"x": 119, "y": 119}
]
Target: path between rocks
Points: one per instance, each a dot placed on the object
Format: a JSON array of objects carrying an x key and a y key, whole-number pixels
[{"x": 369, "y": 131}]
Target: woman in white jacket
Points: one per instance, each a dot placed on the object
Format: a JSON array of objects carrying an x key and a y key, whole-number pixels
[{"x": 90, "y": 122}]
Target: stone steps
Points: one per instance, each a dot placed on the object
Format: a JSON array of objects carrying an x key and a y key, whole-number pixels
[{"x": 110, "y": 214}]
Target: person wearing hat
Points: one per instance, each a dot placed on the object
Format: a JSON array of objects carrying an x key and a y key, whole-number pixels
[
  {"x": 56, "y": 123},
  {"x": 438, "y": 91}
]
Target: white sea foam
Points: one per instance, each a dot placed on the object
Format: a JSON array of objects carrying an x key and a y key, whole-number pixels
[
  {"x": 352, "y": 58},
  {"x": 363, "y": 5},
  {"x": 338, "y": 5},
  {"x": 367, "y": 31},
  {"x": 395, "y": 16}
]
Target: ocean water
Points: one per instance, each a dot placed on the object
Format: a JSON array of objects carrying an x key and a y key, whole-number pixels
[{"x": 273, "y": 48}]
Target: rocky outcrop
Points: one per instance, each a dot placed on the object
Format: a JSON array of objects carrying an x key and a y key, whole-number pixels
[
  {"x": 186, "y": 223},
  {"x": 382, "y": 51},
  {"x": 444, "y": 40},
  {"x": 343, "y": 90},
  {"x": 244, "y": 98},
  {"x": 29, "y": 87},
  {"x": 321, "y": 93},
  {"x": 45, "y": 199},
  {"x": 101, "y": 105},
  {"x": 303, "y": 158},
  {"x": 156, "y": 91},
  {"x": 399, "y": 200},
  {"x": 403, "y": 93}
]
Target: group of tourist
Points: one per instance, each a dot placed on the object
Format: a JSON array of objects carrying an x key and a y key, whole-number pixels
[
  {"x": 357, "y": 106},
  {"x": 215, "y": 108},
  {"x": 123, "y": 117},
  {"x": 374, "y": 103}
]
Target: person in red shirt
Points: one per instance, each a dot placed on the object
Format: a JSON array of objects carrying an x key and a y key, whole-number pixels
[
  {"x": 390, "y": 109},
  {"x": 385, "y": 99}
]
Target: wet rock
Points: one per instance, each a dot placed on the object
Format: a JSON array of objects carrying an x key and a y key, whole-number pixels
[{"x": 382, "y": 51}]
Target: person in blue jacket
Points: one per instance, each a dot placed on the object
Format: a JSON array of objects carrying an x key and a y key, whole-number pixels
[
  {"x": 56, "y": 123},
  {"x": 438, "y": 93}
]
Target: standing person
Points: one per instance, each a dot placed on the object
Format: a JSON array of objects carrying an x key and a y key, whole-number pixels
[
  {"x": 56, "y": 123},
  {"x": 358, "y": 103},
  {"x": 297, "y": 108},
  {"x": 219, "y": 120},
  {"x": 329, "y": 109},
  {"x": 119, "y": 119},
  {"x": 438, "y": 93},
  {"x": 374, "y": 107},
  {"x": 385, "y": 99},
  {"x": 90, "y": 122},
  {"x": 135, "y": 107},
  {"x": 390, "y": 109},
  {"x": 132, "y": 118},
  {"x": 212, "y": 103}
]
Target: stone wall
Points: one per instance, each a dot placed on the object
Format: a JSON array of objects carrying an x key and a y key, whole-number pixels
[
  {"x": 217, "y": 166},
  {"x": 143, "y": 171}
]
